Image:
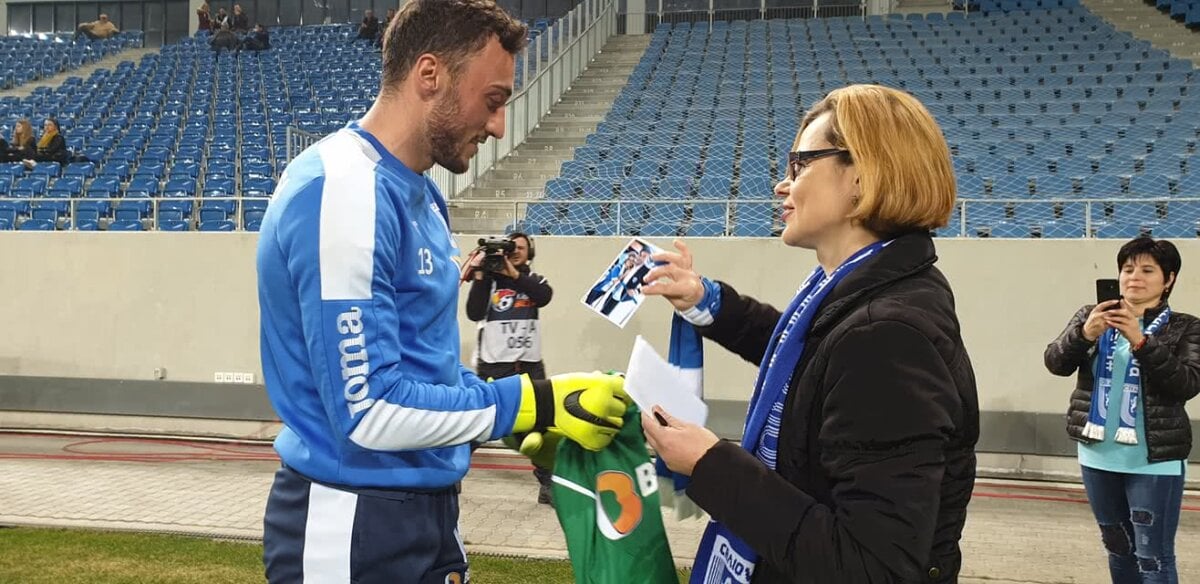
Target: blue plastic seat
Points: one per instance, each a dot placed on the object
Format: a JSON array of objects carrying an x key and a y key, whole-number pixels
[
  {"x": 143, "y": 184},
  {"x": 221, "y": 225},
  {"x": 37, "y": 225},
  {"x": 637, "y": 189},
  {"x": 81, "y": 170},
  {"x": 632, "y": 216},
  {"x": 1120, "y": 230},
  {"x": 560, "y": 189},
  {"x": 257, "y": 186},
  {"x": 755, "y": 187},
  {"x": 219, "y": 187},
  {"x": 1179, "y": 230},
  {"x": 1053, "y": 186},
  {"x": 754, "y": 220},
  {"x": 86, "y": 220},
  {"x": 542, "y": 213}
]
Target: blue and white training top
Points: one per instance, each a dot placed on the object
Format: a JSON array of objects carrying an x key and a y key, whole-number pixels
[{"x": 358, "y": 295}]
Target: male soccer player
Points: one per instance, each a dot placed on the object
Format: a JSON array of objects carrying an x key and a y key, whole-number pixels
[{"x": 358, "y": 299}]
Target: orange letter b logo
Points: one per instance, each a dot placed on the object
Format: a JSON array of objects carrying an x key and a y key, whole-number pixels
[{"x": 621, "y": 486}]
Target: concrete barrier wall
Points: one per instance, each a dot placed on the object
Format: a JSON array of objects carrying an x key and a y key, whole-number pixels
[{"x": 119, "y": 306}]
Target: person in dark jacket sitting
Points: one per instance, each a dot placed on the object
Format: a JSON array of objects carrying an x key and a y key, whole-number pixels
[
  {"x": 1137, "y": 362},
  {"x": 858, "y": 458},
  {"x": 224, "y": 39},
  {"x": 258, "y": 39},
  {"x": 369, "y": 27},
  {"x": 22, "y": 147},
  {"x": 52, "y": 146}
]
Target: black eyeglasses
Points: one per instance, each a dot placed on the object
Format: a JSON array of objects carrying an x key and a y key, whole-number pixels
[{"x": 801, "y": 158}]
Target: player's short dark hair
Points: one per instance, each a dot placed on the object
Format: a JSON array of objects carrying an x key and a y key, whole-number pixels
[{"x": 450, "y": 29}]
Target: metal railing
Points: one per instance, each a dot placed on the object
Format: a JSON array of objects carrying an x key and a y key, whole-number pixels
[
  {"x": 561, "y": 53},
  {"x": 758, "y": 217},
  {"x": 298, "y": 140},
  {"x": 996, "y": 218},
  {"x": 149, "y": 213},
  {"x": 555, "y": 59},
  {"x": 655, "y": 15}
]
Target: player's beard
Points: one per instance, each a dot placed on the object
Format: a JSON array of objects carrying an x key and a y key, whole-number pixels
[{"x": 447, "y": 133}]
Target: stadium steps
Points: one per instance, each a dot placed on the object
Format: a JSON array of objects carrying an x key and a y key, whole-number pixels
[
  {"x": 523, "y": 174},
  {"x": 1146, "y": 22},
  {"x": 109, "y": 62}
]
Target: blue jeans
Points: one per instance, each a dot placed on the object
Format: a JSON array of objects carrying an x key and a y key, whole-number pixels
[{"x": 1138, "y": 516}]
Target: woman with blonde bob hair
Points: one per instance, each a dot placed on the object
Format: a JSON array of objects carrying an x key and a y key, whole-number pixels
[{"x": 858, "y": 456}]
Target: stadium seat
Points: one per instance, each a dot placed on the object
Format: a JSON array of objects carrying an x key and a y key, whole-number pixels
[
  {"x": 37, "y": 225},
  {"x": 86, "y": 220}
]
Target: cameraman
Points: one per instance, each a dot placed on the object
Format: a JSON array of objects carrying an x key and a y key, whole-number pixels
[{"x": 504, "y": 300}]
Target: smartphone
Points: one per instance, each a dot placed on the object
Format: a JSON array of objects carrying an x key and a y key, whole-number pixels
[{"x": 1107, "y": 289}]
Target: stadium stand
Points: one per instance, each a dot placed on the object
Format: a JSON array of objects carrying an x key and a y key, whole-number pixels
[
  {"x": 1060, "y": 126},
  {"x": 29, "y": 58},
  {"x": 1187, "y": 11},
  {"x": 188, "y": 140}
]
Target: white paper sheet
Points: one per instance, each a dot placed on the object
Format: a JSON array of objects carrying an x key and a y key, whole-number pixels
[{"x": 650, "y": 380}]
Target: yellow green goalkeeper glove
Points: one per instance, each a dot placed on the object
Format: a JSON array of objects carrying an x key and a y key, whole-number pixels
[
  {"x": 585, "y": 407},
  {"x": 540, "y": 447}
]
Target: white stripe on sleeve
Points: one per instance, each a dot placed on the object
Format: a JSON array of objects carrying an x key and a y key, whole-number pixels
[
  {"x": 347, "y": 237},
  {"x": 388, "y": 426}
]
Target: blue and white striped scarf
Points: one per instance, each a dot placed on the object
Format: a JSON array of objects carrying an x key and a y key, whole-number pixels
[
  {"x": 686, "y": 354},
  {"x": 723, "y": 557},
  {"x": 1130, "y": 391}
]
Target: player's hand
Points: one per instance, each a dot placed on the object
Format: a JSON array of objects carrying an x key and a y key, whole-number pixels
[
  {"x": 540, "y": 447},
  {"x": 675, "y": 280},
  {"x": 585, "y": 407}
]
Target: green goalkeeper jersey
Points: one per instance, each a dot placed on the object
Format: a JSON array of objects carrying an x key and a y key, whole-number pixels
[{"x": 607, "y": 503}]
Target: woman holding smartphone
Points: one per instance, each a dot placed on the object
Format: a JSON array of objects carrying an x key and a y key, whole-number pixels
[{"x": 1137, "y": 364}]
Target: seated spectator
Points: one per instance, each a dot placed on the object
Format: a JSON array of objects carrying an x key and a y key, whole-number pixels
[
  {"x": 98, "y": 29},
  {"x": 52, "y": 147},
  {"x": 22, "y": 145},
  {"x": 258, "y": 40},
  {"x": 383, "y": 26},
  {"x": 241, "y": 22},
  {"x": 369, "y": 29},
  {"x": 224, "y": 39},
  {"x": 204, "y": 18},
  {"x": 221, "y": 19}
]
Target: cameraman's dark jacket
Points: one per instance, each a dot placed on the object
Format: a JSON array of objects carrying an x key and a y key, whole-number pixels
[{"x": 496, "y": 297}]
